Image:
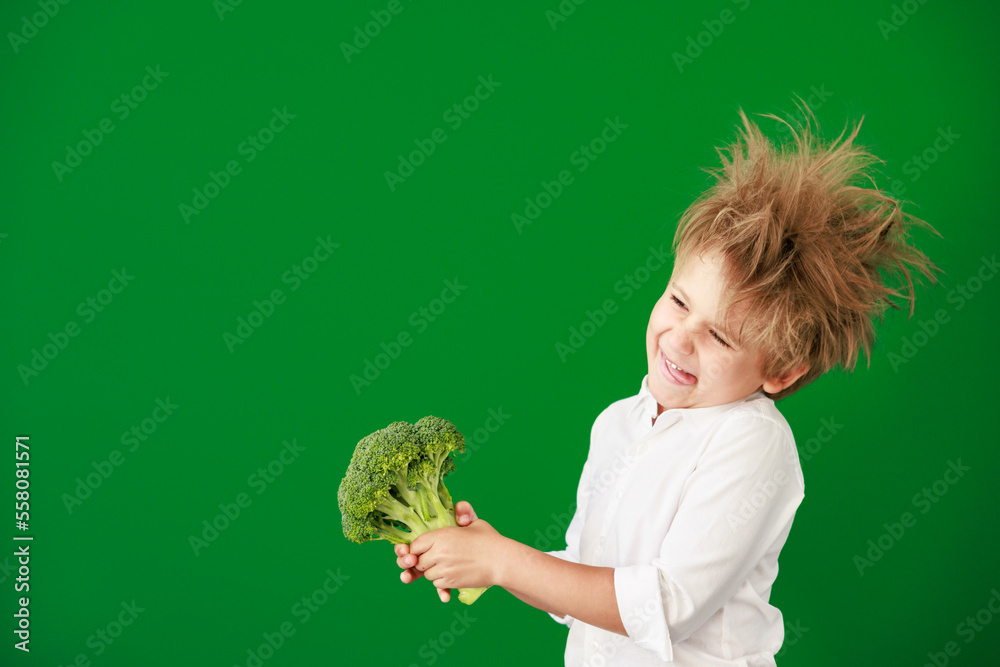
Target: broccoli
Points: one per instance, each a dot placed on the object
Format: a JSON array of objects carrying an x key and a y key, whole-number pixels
[{"x": 394, "y": 487}]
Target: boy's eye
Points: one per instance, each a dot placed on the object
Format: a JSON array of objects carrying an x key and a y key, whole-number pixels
[{"x": 714, "y": 335}]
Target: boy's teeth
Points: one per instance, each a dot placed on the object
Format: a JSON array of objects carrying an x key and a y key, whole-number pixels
[{"x": 673, "y": 365}]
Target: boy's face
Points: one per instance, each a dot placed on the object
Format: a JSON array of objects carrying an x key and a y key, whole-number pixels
[{"x": 682, "y": 331}]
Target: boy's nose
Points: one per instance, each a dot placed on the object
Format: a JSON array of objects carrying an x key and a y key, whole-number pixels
[{"x": 680, "y": 339}]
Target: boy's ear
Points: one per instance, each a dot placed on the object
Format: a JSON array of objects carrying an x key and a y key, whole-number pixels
[{"x": 774, "y": 385}]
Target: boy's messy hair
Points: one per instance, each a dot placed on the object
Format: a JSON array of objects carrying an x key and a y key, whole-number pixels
[{"x": 810, "y": 254}]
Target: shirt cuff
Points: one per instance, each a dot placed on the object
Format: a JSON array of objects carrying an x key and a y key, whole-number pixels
[{"x": 637, "y": 590}]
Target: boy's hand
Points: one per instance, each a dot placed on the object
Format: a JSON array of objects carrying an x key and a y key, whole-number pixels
[{"x": 465, "y": 515}]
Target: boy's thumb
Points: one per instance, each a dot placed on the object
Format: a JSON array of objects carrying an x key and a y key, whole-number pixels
[{"x": 463, "y": 508}]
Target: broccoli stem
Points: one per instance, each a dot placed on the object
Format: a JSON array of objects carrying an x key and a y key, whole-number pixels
[
  {"x": 394, "y": 509},
  {"x": 470, "y": 595},
  {"x": 445, "y": 496},
  {"x": 445, "y": 516},
  {"x": 422, "y": 509},
  {"x": 392, "y": 534},
  {"x": 429, "y": 502},
  {"x": 422, "y": 506},
  {"x": 409, "y": 497},
  {"x": 441, "y": 518}
]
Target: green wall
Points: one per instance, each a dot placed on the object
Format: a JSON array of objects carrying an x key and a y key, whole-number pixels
[{"x": 245, "y": 172}]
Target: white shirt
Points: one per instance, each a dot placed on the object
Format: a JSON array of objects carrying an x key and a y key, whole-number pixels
[{"x": 691, "y": 511}]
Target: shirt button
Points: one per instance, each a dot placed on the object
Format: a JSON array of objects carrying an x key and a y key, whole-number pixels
[
  {"x": 595, "y": 646},
  {"x": 600, "y": 542},
  {"x": 619, "y": 493}
]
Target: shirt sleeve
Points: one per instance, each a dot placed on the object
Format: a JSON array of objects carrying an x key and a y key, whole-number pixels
[
  {"x": 575, "y": 529},
  {"x": 740, "y": 498}
]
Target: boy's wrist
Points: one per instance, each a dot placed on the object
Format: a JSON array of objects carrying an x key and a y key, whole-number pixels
[{"x": 507, "y": 556}]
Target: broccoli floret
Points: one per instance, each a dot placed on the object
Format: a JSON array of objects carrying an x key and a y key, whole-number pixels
[{"x": 394, "y": 486}]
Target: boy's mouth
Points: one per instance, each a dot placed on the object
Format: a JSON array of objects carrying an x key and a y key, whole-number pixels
[{"x": 673, "y": 372}]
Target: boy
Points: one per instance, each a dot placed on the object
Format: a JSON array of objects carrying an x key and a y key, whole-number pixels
[{"x": 690, "y": 487}]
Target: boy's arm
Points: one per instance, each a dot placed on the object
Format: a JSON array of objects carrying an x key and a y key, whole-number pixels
[
  {"x": 411, "y": 574},
  {"x": 478, "y": 555},
  {"x": 560, "y": 587},
  {"x": 534, "y": 603},
  {"x": 538, "y": 579},
  {"x": 464, "y": 515}
]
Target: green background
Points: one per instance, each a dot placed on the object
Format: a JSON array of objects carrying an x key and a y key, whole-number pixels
[{"x": 494, "y": 347}]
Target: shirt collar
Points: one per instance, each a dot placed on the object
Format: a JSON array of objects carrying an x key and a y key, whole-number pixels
[{"x": 697, "y": 419}]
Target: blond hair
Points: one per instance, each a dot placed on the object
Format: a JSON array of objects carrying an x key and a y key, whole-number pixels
[{"x": 810, "y": 254}]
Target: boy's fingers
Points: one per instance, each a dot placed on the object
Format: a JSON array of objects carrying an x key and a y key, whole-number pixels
[
  {"x": 409, "y": 576},
  {"x": 421, "y": 544},
  {"x": 444, "y": 594}
]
